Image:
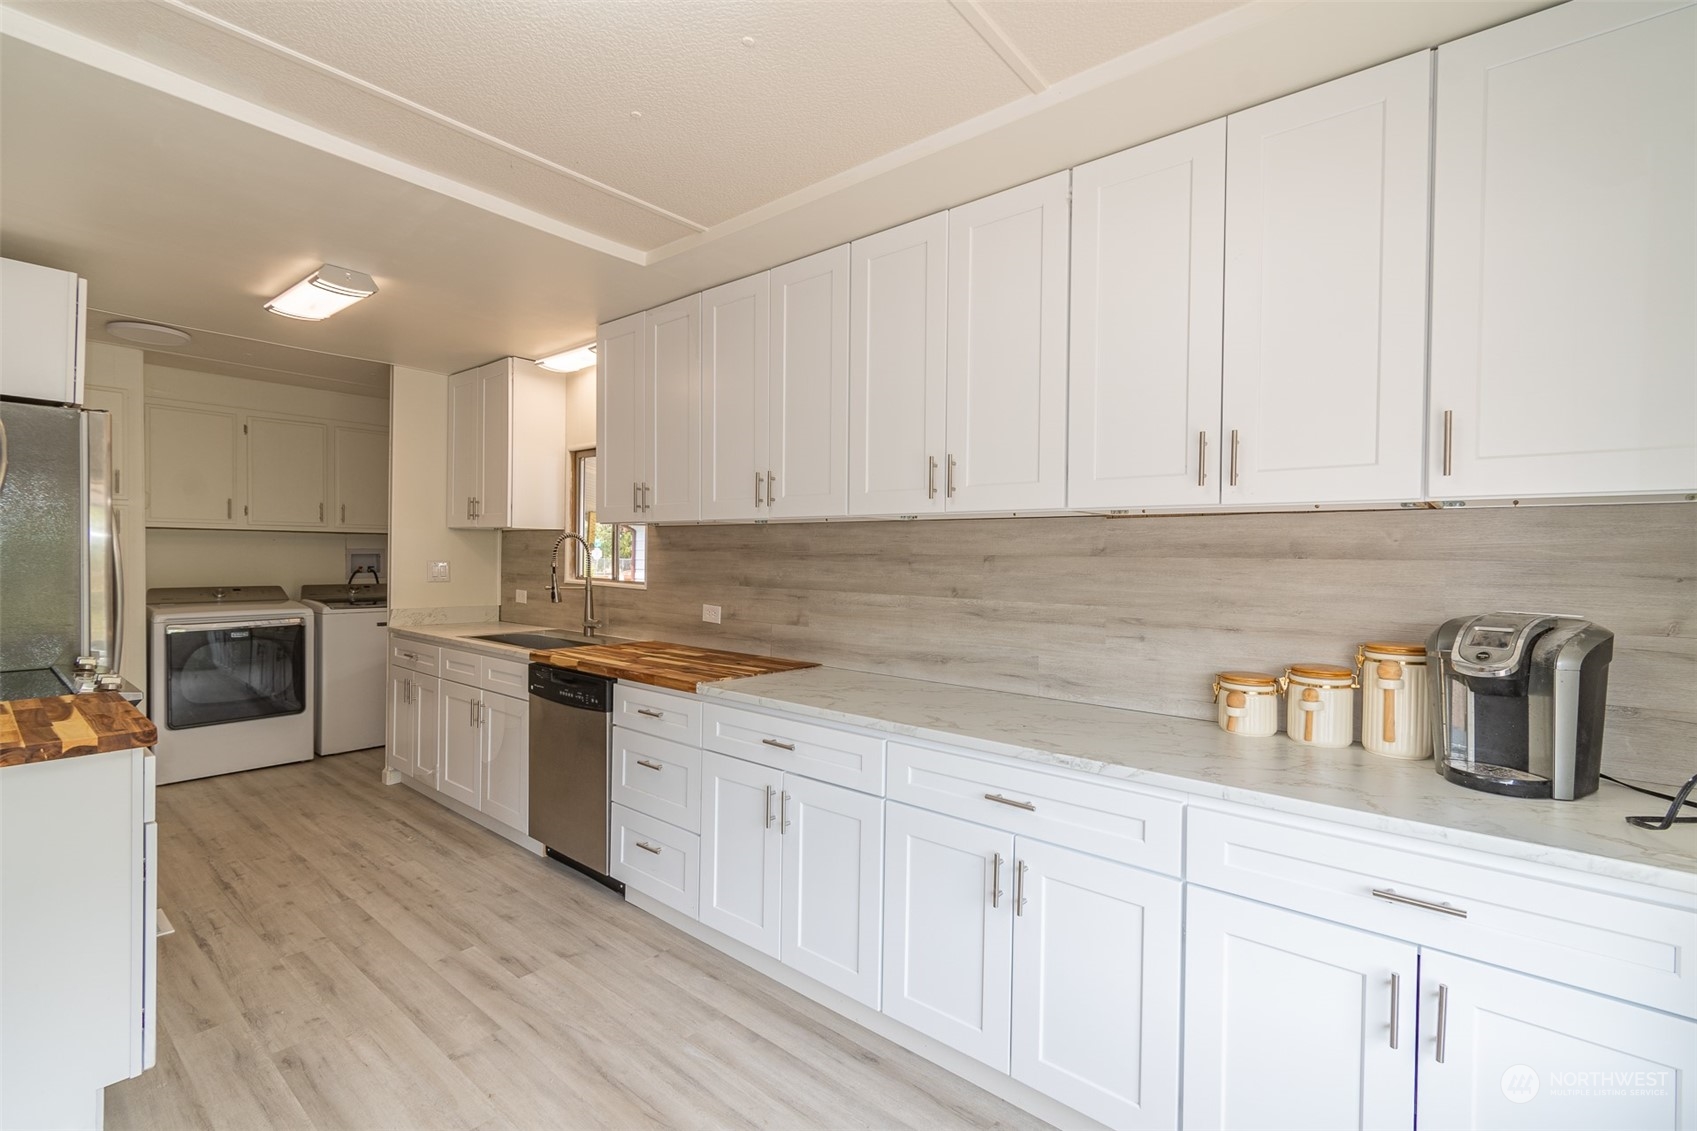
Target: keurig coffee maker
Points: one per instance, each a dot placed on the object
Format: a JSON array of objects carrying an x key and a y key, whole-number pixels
[{"x": 1517, "y": 705}]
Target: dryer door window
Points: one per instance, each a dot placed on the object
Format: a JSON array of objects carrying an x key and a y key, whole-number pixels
[{"x": 227, "y": 673}]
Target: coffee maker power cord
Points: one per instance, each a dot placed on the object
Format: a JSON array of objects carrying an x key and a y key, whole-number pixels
[
  {"x": 1683, "y": 798},
  {"x": 1669, "y": 819}
]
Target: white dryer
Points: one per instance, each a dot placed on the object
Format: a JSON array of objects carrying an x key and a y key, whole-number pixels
[
  {"x": 229, "y": 679},
  {"x": 352, "y": 654}
]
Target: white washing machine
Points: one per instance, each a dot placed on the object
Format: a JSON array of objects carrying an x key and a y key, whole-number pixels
[
  {"x": 229, "y": 679},
  {"x": 352, "y": 653}
]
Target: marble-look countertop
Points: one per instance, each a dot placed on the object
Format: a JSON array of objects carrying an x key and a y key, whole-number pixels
[
  {"x": 1351, "y": 786},
  {"x": 462, "y": 636}
]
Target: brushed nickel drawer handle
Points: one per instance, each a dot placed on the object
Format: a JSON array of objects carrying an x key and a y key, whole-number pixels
[
  {"x": 996, "y": 880},
  {"x": 651, "y": 714},
  {"x": 649, "y": 765},
  {"x": 1396, "y": 1007},
  {"x": 1390, "y": 895},
  {"x": 779, "y": 745},
  {"x": 646, "y": 847},
  {"x": 1000, "y": 800}
]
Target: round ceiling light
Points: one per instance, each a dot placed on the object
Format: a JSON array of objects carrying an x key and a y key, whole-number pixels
[{"x": 146, "y": 333}]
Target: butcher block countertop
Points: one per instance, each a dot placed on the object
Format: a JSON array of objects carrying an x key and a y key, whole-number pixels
[
  {"x": 69, "y": 726},
  {"x": 676, "y": 667}
]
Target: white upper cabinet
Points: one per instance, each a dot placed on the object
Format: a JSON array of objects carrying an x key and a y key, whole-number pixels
[
  {"x": 507, "y": 458},
  {"x": 733, "y": 399},
  {"x": 288, "y": 466},
  {"x": 898, "y": 377},
  {"x": 1564, "y": 263},
  {"x": 1148, "y": 234},
  {"x": 360, "y": 474},
  {"x": 191, "y": 466},
  {"x": 43, "y": 332},
  {"x": 671, "y": 402},
  {"x": 620, "y": 403},
  {"x": 1325, "y": 306},
  {"x": 1007, "y": 350},
  {"x": 807, "y": 394}
]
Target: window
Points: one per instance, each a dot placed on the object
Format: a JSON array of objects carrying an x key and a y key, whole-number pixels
[{"x": 630, "y": 541}]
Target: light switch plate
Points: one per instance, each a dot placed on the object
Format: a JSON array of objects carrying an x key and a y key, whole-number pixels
[
  {"x": 438, "y": 571},
  {"x": 710, "y": 614},
  {"x": 521, "y": 596}
]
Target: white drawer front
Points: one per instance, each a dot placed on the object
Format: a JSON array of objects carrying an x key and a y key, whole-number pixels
[
  {"x": 461, "y": 667},
  {"x": 664, "y": 714},
  {"x": 1616, "y": 944},
  {"x": 1099, "y": 817},
  {"x": 657, "y": 859},
  {"x": 818, "y": 752},
  {"x": 410, "y": 654},
  {"x": 657, "y": 776},
  {"x": 504, "y": 677}
]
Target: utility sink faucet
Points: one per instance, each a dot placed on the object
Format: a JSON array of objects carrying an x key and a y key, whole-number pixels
[{"x": 590, "y": 624}]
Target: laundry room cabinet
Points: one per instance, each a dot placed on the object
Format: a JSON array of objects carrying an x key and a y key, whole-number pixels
[
  {"x": 360, "y": 478},
  {"x": 508, "y": 465},
  {"x": 192, "y": 468},
  {"x": 288, "y": 473}
]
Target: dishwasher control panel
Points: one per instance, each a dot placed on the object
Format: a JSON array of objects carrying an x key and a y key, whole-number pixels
[{"x": 573, "y": 689}]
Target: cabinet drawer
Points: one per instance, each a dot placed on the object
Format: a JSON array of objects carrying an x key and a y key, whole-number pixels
[
  {"x": 504, "y": 677},
  {"x": 461, "y": 667},
  {"x": 658, "y": 777},
  {"x": 664, "y": 714},
  {"x": 818, "y": 752},
  {"x": 1098, "y": 817},
  {"x": 657, "y": 859},
  {"x": 410, "y": 654},
  {"x": 1622, "y": 943}
]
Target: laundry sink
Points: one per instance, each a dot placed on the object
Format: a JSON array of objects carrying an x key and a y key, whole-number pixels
[{"x": 537, "y": 640}]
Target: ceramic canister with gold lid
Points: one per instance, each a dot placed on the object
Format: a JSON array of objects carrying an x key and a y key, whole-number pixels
[
  {"x": 1394, "y": 718},
  {"x": 1247, "y": 703},
  {"x": 1320, "y": 704}
]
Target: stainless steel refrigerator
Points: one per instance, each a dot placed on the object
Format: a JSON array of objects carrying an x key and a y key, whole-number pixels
[{"x": 61, "y": 576}]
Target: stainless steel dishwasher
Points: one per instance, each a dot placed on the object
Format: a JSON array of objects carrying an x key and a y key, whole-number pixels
[{"x": 571, "y": 725}]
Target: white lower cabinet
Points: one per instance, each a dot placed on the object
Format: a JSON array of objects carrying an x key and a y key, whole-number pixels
[
  {"x": 461, "y": 774},
  {"x": 656, "y": 858},
  {"x": 506, "y": 760},
  {"x": 1503, "y": 1050},
  {"x": 1058, "y": 967},
  {"x": 793, "y": 868},
  {"x": 1288, "y": 1020},
  {"x": 415, "y": 724}
]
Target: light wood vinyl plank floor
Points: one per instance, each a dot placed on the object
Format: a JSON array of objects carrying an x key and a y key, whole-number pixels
[{"x": 350, "y": 955}]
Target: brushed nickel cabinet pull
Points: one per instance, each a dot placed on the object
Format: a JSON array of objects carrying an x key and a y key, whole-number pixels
[
  {"x": 1390, "y": 895},
  {"x": 779, "y": 745},
  {"x": 769, "y": 817},
  {"x": 117, "y": 481},
  {"x": 759, "y": 488},
  {"x": 931, "y": 477},
  {"x": 1443, "y": 1019},
  {"x": 646, "y": 505},
  {"x": 229, "y": 508},
  {"x": 320, "y": 512},
  {"x": 949, "y": 477},
  {"x": 1449, "y": 439},
  {"x": 783, "y": 812},
  {"x": 1019, "y": 889},
  {"x": 771, "y": 482},
  {"x": 650, "y": 765},
  {"x": 1234, "y": 458},
  {"x": 996, "y": 880},
  {"x": 651, "y": 714},
  {"x": 1000, "y": 800},
  {"x": 635, "y": 498},
  {"x": 344, "y": 514},
  {"x": 1202, "y": 459},
  {"x": 646, "y": 847},
  {"x": 471, "y": 711},
  {"x": 1396, "y": 1007}
]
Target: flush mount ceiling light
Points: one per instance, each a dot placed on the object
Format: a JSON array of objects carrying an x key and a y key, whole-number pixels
[
  {"x": 146, "y": 333},
  {"x": 323, "y": 293},
  {"x": 569, "y": 361}
]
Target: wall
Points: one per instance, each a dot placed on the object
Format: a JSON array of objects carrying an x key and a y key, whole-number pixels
[
  {"x": 254, "y": 557},
  {"x": 1140, "y": 613},
  {"x": 418, "y": 514}
]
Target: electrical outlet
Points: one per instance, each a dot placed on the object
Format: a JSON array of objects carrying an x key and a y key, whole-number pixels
[
  {"x": 521, "y": 597},
  {"x": 710, "y": 614},
  {"x": 438, "y": 571}
]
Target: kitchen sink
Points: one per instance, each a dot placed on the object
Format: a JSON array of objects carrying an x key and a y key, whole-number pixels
[{"x": 538, "y": 640}]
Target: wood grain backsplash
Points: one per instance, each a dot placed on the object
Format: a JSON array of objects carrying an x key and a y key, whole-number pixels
[{"x": 1140, "y": 613}]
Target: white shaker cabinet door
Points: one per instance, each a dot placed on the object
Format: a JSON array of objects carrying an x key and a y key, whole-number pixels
[
  {"x": 733, "y": 399},
  {"x": 460, "y": 773},
  {"x": 465, "y": 448},
  {"x": 1564, "y": 259},
  {"x": 191, "y": 466},
  {"x": 740, "y": 851},
  {"x": 1325, "y": 309},
  {"x": 670, "y": 472},
  {"x": 1096, "y": 985},
  {"x": 833, "y": 883},
  {"x": 898, "y": 376},
  {"x": 948, "y": 930},
  {"x": 1148, "y": 235},
  {"x": 403, "y": 723},
  {"x": 505, "y": 722},
  {"x": 620, "y": 455},
  {"x": 807, "y": 394},
  {"x": 360, "y": 474},
  {"x": 288, "y": 473},
  {"x": 1007, "y": 364},
  {"x": 1523, "y": 1054},
  {"x": 1288, "y": 1020}
]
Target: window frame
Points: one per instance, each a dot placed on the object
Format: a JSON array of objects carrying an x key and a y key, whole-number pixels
[{"x": 581, "y": 509}]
